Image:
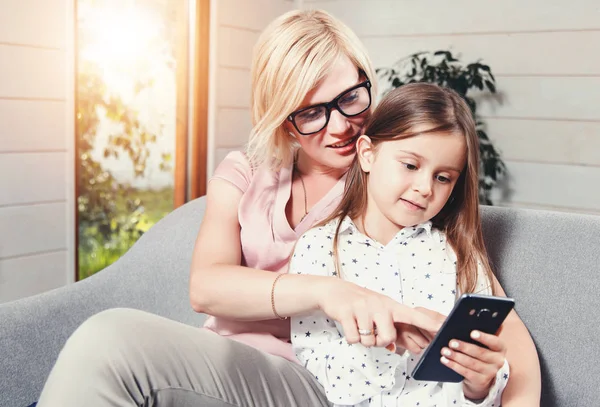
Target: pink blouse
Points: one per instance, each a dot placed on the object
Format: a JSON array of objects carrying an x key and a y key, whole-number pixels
[{"x": 267, "y": 241}]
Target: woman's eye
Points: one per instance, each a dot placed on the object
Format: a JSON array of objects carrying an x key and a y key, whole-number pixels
[
  {"x": 443, "y": 179},
  {"x": 309, "y": 115},
  {"x": 349, "y": 98},
  {"x": 409, "y": 166}
]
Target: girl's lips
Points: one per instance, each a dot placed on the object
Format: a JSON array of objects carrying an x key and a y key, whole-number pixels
[{"x": 411, "y": 205}]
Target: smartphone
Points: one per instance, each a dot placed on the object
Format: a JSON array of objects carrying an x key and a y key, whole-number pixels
[{"x": 483, "y": 313}]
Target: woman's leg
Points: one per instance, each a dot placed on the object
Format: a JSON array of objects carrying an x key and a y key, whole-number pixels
[{"x": 125, "y": 357}]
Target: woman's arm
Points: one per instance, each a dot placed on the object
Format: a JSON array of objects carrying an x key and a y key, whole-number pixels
[
  {"x": 220, "y": 286},
  {"x": 525, "y": 384}
]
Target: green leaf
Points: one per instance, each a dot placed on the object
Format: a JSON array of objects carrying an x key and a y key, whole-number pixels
[{"x": 478, "y": 82}]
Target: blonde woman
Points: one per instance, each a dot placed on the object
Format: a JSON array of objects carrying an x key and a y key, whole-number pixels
[{"x": 312, "y": 90}]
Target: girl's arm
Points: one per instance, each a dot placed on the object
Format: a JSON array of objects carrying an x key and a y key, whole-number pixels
[{"x": 524, "y": 387}]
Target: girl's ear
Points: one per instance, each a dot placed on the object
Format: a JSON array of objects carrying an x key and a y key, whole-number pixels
[{"x": 366, "y": 152}]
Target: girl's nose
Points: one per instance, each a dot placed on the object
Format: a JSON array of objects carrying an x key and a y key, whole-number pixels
[{"x": 423, "y": 185}]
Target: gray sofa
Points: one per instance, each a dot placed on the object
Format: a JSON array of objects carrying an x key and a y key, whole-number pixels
[{"x": 549, "y": 262}]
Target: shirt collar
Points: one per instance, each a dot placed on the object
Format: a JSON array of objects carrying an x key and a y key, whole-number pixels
[{"x": 348, "y": 227}]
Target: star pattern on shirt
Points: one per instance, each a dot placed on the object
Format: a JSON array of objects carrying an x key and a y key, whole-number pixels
[{"x": 414, "y": 268}]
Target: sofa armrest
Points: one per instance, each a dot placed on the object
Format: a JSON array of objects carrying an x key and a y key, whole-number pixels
[{"x": 152, "y": 276}]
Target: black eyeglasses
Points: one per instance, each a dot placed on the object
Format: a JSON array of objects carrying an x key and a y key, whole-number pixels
[{"x": 352, "y": 102}]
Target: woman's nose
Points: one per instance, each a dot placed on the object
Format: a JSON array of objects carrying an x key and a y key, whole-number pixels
[{"x": 338, "y": 123}]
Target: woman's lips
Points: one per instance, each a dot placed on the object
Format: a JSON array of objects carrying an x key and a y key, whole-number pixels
[{"x": 342, "y": 144}]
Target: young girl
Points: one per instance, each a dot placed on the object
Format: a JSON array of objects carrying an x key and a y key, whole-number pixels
[{"x": 408, "y": 227}]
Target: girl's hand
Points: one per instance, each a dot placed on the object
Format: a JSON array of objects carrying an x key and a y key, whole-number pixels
[
  {"x": 414, "y": 339},
  {"x": 476, "y": 364},
  {"x": 355, "y": 308}
]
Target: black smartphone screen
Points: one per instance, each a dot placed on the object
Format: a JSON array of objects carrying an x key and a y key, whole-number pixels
[{"x": 483, "y": 313}]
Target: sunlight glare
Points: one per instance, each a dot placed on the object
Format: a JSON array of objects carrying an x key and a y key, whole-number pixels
[{"x": 122, "y": 42}]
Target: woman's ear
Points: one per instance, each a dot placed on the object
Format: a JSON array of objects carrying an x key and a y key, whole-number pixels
[{"x": 366, "y": 152}]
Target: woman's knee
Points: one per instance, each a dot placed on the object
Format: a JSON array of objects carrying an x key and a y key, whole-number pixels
[{"x": 103, "y": 335}]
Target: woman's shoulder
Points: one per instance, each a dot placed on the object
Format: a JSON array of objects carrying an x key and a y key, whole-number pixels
[{"x": 236, "y": 169}]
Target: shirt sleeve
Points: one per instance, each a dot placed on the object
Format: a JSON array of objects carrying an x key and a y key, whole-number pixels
[
  {"x": 453, "y": 392},
  {"x": 349, "y": 374},
  {"x": 235, "y": 168}
]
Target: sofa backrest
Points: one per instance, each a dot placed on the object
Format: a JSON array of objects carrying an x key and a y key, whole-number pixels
[{"x": 550, "y": 263}]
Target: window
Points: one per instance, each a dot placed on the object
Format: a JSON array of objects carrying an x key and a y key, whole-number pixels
[{"x": 140, "y": 144}]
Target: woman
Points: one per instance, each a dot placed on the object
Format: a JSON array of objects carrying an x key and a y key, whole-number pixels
[{"x": 312, "y": 87}]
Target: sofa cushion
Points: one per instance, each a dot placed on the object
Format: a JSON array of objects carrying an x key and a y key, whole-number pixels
[{"x": 550, "y": 263}]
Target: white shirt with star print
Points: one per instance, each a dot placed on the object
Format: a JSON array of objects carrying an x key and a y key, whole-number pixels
[{"x": 417, "y": 268}]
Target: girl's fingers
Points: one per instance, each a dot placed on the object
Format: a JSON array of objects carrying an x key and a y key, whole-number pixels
[
  {"x": 419, "y": 339},
  {"x": 475, "y": 351},
  {"x": 409, "y": 344},
  {"x": 465, "y": 361},
  {"x": 411, "y": 338},
  {"x": 493, "y": 342},
  {"x": 474, "y": 377},
  {"x": 495, "y": 355},
  {"x": 427, "y": 334}
]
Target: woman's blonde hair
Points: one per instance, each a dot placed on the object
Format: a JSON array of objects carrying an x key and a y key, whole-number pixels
[
  {"x": 293, "y": 54},
  {"x": 442, "y": 110}
]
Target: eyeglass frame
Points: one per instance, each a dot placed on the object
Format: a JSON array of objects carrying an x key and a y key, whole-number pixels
[{"x": 333, "y": 104}]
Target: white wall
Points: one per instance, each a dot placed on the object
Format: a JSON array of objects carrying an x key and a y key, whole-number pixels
[
  {"x": 545, "y": 55},
  {"x": 37, "y": 248},
  {"x": 236, "y": 27}
]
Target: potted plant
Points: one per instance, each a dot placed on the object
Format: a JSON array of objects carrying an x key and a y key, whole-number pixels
[{"x": 442, "y": 68}]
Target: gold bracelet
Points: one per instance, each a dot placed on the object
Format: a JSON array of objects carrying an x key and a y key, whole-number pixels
[{"x": 273, "y": 297}]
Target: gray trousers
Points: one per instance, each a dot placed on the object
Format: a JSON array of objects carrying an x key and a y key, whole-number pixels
[{"x": 124, "y": 357}]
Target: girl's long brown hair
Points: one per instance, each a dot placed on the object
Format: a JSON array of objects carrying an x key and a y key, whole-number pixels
[{"x": 441, "y": 110}]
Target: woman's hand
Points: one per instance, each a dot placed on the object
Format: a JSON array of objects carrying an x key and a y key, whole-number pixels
[
  {"x": 476, "y": 364},
  {"x": 355, "y": 308}
]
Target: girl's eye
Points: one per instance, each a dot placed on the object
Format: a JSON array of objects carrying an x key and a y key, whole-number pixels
[
  {"x": 410, "y": 167},
  {"x": 442, "y": 179}
]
